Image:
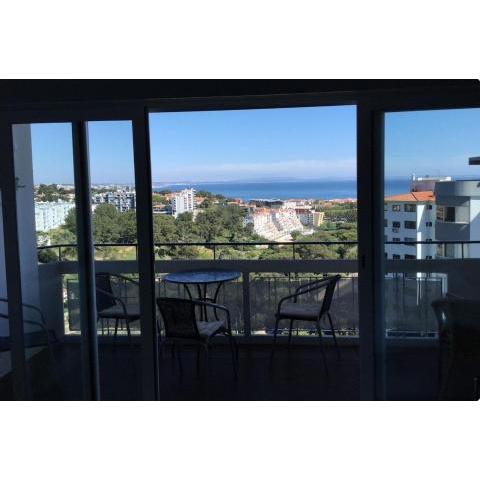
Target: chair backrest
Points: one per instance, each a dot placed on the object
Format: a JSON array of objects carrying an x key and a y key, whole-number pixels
[
  {"x": 459, "y": 323},
  {"x": 329, "y": 291},
  {"x": 178, "y": 317},
  {"x": 104, "y": 284}
]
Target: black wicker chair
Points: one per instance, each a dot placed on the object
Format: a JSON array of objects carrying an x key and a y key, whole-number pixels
[
  {"x": 40, "y": 337},
  {"x": 182, "y": 326},
  {"x": 289, "y": 308},
  {"x": 459, "y": 347},
  {"x": 111, "y": 306}
]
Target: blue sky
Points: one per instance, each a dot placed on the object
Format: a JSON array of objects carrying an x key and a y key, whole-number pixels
[
  {"x": 434, "y": 142},
  {"x": 306, "y": 143}
]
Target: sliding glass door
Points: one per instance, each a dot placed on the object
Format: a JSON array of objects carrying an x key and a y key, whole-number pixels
[
  {"x": 431, "y": 248},
  {"x": 81, "y": 325}
]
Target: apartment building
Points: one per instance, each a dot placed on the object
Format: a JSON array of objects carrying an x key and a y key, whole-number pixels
[
  {"x": 304, "y": 215},
  {"x": 426, "y": 183},
  {"x": 183, "y": 201},
  {"x": 49, "y": 215},
  {"x": 123, "y": 200},
  {"x": 410, "y": 217},
  {"x": 458, "y": 218},
  {"x": 275, "y": 223},
  {"x": 318, "y": 218}
]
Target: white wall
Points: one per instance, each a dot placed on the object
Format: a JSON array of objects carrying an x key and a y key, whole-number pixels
[
  {"x": 22, "y": 145},
  {"x": 474, "y": 250},
  {"x": 26, "y": 219}
]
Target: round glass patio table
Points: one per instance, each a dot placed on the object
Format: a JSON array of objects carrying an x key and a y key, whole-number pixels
[{"x": 201, "y": 279}]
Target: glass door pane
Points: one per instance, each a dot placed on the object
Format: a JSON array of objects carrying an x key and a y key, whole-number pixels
[
  {"x": 270, "y": 194},
  {"x": 45, "y": 196},
  {"x": 114, "y": 226},
  {"x": 431, "y": 251}
]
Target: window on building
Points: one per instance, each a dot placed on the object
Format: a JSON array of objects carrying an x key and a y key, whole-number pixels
[
  {"x": 428, "y": 257},
  {"x": 395, "y": 208},
  {"x": 396, "y": 224},
  {"x": 410, "y": 224},
  {"x": 429, "y": 206},
  {"x": 450, "y": 214},
  {"x": 445, "y": 214},
  {"x": 440, "y": 212},
  {"x": 428, "y": 240},
  {"x": 410, "y": 240},
  {"x": 409, "y": 207},
  {"x": 428, "y": 224},
  {"x": 410, "y": 257},
  {"x": 395, "y": 256},
  {"x": 395, "y": 239}
]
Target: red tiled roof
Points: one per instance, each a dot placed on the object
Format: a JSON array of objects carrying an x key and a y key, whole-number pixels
[{"x": 427, "y": 196}]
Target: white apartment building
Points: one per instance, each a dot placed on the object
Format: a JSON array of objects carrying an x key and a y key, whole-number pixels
[
  {"x": 183, "y": 201},
  {"x": 305, "y": 215},
  {"x": 122, "y": 200},
  {"x": 50, "y": 215},
  {"x": 275, "y": 224},
  {"x": 410, "y": 217}
]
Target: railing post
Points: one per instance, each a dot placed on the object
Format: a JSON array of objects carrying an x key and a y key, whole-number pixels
[
  {"x": 59, "y": 253},
  {"x": 214, "y": 252},
  {"x": 293, "y": 250},
  {"x": 247, "y": 327}
]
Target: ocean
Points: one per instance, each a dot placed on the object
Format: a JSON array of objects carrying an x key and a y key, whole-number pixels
[{"x": 319, "y": 189}]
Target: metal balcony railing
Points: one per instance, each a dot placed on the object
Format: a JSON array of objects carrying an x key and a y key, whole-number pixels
[
  {"x": 215, "y": 247},
  {"x": 254, "y": 297}
]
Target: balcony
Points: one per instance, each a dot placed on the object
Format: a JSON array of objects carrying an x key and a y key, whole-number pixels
[{"x": 410, "y": 325}]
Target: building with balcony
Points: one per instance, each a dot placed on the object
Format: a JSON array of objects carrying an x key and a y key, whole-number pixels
[
  {"x": 183, "y": 202},
  {"x": 122, "y": 200},
  {"x": 458, "y": 218},
  {"x": 49, "y": 215},
  {"x": 409, "y": 219}
]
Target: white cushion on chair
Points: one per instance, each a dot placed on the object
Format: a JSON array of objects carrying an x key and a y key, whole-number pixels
[
  {"x": 207, "y": 329},
  {"x": 301, "y": 311}
]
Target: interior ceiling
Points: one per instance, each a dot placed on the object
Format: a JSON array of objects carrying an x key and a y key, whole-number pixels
[{"x": 28, "y": 91}]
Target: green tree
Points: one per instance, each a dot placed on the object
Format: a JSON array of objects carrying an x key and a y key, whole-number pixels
[
  {"x": 209, "y": 225},
  {"x": 47, "y": 255},
  {"x": 106, "y": 228},
  {"x": 71, "y": 221},
  {"x": 232, "y": 219},
  {"x": 157, "y": 198},
  {"x": 186, "y": 228},
  {"x": 128, "y": 227},
  {"x": 164, "y": 231}
]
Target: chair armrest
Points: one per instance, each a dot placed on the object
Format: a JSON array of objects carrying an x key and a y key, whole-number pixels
[
  {"x": 117, "y": 299},
  {"x": 298, "y": 294},
  {"x": 32, "y": 307},
  {"x": 306, "y": 288}
]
